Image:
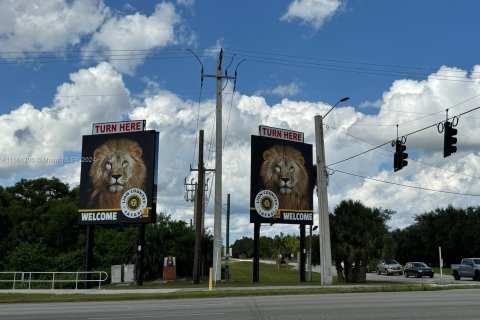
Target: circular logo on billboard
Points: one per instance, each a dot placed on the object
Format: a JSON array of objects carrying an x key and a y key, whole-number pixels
[
  {"x": 266, "y": 203},
  {"x": 133, "y": 202}
]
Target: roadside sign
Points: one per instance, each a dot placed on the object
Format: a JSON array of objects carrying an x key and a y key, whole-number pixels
[
  {"x": 117, "y": 127},
  {"x": 278, "y": 133}
]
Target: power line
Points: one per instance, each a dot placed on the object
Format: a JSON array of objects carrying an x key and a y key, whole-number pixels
[
  {"x": 407, "y": 186},
  {"x": 272, "y": 58},
  {"x": 454, "y": 106},
  {"x": 345, "y": 61},
  {"x": 424, "y": 163},
  {"x": 138, "y": 95},
  {"x": 342, "y": 68},
  {"x": 198, "y": 109},
  {"x": 408, "y": 134}
]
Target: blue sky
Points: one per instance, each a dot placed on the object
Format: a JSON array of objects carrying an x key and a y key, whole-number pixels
[{"x": 68, "y": 64}]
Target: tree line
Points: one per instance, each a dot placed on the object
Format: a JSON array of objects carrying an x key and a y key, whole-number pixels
[
  {"x": 360, "y": 238},
  {"x": 39, "y": 232}
]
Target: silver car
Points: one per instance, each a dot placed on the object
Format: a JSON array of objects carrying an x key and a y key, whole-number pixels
[{"x": 389, "y": 267}]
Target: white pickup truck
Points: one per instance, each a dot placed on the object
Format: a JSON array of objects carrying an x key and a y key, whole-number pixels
[{"x": 469, "y": 268}]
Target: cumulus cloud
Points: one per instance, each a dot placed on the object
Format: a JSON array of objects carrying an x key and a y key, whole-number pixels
[
  {"x": 347, "y": 132},
  {"x": 31, "y": 26},
  {"x": 287, "y": 90},
  {"x": 40, "y": 137},
  {"x": 127, "y": 40},
  {"x": 213, "y": 51},
  {"x": 312, "y": 12},
  {"x": 186, "y": 3}
]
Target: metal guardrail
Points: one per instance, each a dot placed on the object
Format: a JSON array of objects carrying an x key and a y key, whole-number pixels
[{"x": 56, "y": 277}]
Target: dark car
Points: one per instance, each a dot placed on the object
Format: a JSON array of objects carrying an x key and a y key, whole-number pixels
[{"x": 417, "y": 269}]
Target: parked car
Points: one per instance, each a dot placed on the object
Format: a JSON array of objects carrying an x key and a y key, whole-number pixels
[
  {"x": 469, "y": 267},
  {"x": 389, "y": 267},
  {"x": 417, "y": 269}
]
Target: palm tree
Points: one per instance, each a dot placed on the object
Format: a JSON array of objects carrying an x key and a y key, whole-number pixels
[{"x": 357, "y": 237}]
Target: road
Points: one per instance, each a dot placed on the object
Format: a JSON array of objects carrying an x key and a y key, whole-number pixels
[
  {"x": 446, "y": 278},
  {"x": 449, "y": 304}
]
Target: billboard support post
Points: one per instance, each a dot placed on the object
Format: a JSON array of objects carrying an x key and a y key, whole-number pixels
[
  {"x": 301, "y": 266},
  {"x": 89, "y": 256},
  {"x": 140, "y": 254},
  {"x": 324, "y": 226},
  {"x": 256, "y": 252}
]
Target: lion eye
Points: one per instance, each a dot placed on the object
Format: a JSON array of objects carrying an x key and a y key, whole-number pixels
[
  {"x": 108, "y": 165},
  {"x": 291, "y": 169},
  {"x": 124, "y": 163},
  {"x": 277, "y": 168}
]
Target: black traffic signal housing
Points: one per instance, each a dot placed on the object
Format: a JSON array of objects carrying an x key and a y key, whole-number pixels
[
  {"x": 400, "y": 157},
  {"x": 449, "y": 140}
]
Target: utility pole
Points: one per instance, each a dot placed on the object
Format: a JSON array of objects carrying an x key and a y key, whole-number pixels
[
  {"x": 217, "y": 222},
  {"x": 199, "y": 193},
  {"x": 217, "y": 217},
  {"x": 322, "y": 175},
  {"x": 227, "y": 245}
]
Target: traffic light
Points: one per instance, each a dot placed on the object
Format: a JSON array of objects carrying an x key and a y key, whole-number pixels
[
  {"x": 400, "y": 157},
  {"x": 449, "y": 140}
]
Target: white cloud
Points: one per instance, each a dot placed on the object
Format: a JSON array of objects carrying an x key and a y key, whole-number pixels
[
  {"x": 312, "y": 12},
  {"x": 96, "y": 94},
  {"x": 137, "y": 35},
  {"x": 30, "y": 28},
  {"x": 214, "y": 50},
  {"x": 371, "y": 104},
  {"x": 33, "y": 131},
  {"x": 28, "y": 25},
  {"x": 287, "y": 90},
  {"x": 186, "y": 3}
]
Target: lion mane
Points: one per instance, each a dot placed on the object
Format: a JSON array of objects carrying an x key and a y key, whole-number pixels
[
  {"x": 117, "y": 167},
  {"x": 283, "y": 172}
]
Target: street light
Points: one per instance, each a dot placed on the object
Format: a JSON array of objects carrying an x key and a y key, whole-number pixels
[
  {"x": 341, "y": 100},
  {"x": 322, "y": 176}
]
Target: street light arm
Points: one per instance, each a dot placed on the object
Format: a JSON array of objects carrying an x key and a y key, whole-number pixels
[{"x": 341, "y": 100}]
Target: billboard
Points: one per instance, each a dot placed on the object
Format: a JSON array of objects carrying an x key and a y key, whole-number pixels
[
  {"x": 118, "y": 180},
  {"x": 281, "y": 181}
]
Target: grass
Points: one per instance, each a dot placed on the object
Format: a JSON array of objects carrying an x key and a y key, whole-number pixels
[
  {"x": 447, "y": 271},
  {"x": 241, "y": 277}
]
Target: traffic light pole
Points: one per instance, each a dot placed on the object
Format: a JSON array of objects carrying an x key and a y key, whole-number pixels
[{"x": 324, "y": 226}]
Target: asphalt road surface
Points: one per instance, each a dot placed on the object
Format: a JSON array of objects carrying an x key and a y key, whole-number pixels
[
  {"x": 449, "y": 304},
  {"x": 447, "y": 278}
]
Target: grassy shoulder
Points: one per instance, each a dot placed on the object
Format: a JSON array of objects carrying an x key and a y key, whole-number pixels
[{"x": 273, "y": 280}]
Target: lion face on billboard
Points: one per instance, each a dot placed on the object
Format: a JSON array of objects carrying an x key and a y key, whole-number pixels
[
  {"x": 283, "y": 172},
  {"x": 117, "y": 167}
]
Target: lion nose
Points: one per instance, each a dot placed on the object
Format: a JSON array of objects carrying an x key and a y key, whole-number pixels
[
  {"x": 116, "y": 176},
  {"x": 285, "y": 179}
]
